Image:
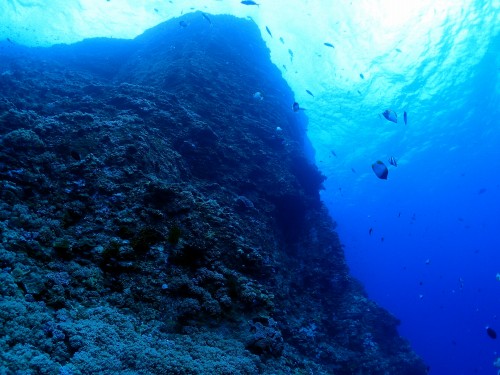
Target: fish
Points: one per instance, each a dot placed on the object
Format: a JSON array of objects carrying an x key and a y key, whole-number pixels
[
  {"x": 329, "y": 45},
  {"x": 269, "y": 31},
  {"x": 491, "y": 332},
  {"x": 405, "y": 117},
  {"x": 183, "y": 24},
  {"x": 296, "y": 107},
  {"x": 393, "y": 161},
  {"x": 282, "y": 40},
  {"x": 363, "y": 77},
  {"x": 380, "y": 170},
  {"x": 206, "y": 17},
  {"x": 310, "y": 93},
  {"x": 334, "y": 154},
  {"x": 258, "y": 96},
  {"x": 249, "y": 2},
  {"x": 390, "y": 115},
  {"x": 353, "y": 170},
  {"x": 290, "y": 52},
  {"x": 370, "y": 231},
  {"x": 482, "y": 191}
]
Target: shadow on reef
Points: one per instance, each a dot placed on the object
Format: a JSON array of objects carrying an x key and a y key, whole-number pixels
[{"x": 155, "y": 220}]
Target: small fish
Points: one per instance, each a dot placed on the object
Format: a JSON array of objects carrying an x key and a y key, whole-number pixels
[
  {"x": 334, "y": 154},
  {"x": 393, "y": 161},
  {"x": 206, "y": 17},
  {"x": 491, "y": 332},
  {"x": 258, "y": 96},
  {"x": 353, "y": 170},
  {"x": 282, "y": 40},
  {"x": 310, "y": 93},
  {"x": 398, "y": 50},
  {"x": 329, "y": 45},
  {"x": 390, "y": 115},
  {"x": 249, "y": 2},
  {"x": 361, "y": 75},
  {"x": 482, "y": 191},
  {"x": 296, "y": 107},
  {"x": 269, "y": 31},
  {"x": 405, "y": 117},
  {"x": 183, "y": 24},
  {"x": 380, "y": 170},
  {"x": 290, "y": 52},
  {"x": 370, "y": 231}
]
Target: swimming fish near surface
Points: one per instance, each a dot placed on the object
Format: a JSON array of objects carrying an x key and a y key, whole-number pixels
[
  {"x": 362, "y": 75},
  {"x": 282, "y": 40},
  {"x": 405, "y": 117},
  {"x": 269, "y": 31},
  {"x": 390, "y": 115},
  {"x": 249, "y": 2},
  {"x": 393, "y": 161},
  {"x": 380, "y": 170},
  {"x": 310, "y": 93},
  {"x": 329, "y": 45},
  {"x": 296, "y": 107}
]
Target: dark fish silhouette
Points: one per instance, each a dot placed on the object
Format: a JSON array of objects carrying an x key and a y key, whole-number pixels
[
  {"x": 380, "y": 170},
  {"x": 390, "y": 115},
  {"x": 249, "y": 2},
  {"x": 183, "y": 24},
  {"x": 206, "y": 17},
  {"x": 329, "y": 45},
  {"x": 290, "y": 52},
  {"x": 405, "y": 117},
  {"x": 282, "y": 40},
  {"x": 269, "y": 31},
  {"x": 370, "y": 231},
  {"x": 393, "y": 161},
  {"x": 361, "y": 75},
  {"x": 296, "y": 107},
  {"x": 491, "y": 332},
  {"x": 334, "y": 154},
  {"x": 310, "y": 93}
]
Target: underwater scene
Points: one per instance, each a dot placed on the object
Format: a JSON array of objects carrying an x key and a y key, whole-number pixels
[{"x": 250, "y": 187}]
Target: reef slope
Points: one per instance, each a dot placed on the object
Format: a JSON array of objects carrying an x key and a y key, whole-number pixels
[{"x": 154, "y": 220}]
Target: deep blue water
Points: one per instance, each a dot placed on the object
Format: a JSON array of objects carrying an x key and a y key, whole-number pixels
[{"x": 434, "y": 250}]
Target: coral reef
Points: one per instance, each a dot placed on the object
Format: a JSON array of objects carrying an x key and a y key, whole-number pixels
[{"x": 154, "y": 221}]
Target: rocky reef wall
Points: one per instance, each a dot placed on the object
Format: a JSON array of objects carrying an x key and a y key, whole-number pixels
[{"x": 156, "y": 218}]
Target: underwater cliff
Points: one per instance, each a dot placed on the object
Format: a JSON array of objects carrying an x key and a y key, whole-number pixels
[{"x": 157, "y": 218}]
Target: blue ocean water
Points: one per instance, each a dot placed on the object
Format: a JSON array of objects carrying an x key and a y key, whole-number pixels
[{"x": 425, "y": 243}]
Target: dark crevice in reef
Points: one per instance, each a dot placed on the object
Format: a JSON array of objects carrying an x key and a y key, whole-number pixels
[{"x": 154, "y": 221}]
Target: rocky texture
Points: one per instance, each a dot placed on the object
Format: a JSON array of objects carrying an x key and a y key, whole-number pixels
[{"x": 154, "y": 220}]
